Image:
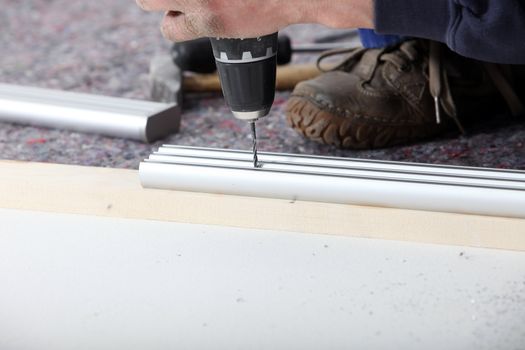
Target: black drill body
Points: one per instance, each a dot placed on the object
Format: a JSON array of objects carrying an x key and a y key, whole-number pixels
[{"x": 247, "y": 70}]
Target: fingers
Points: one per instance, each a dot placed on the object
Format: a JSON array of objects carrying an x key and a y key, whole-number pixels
[
  {"x": 184, "y": 19},
  {"x": 177, "y": 26},
  {"x": 161, "y": 5}
]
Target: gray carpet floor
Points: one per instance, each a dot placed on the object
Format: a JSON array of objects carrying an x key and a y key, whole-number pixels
[{"x": 105, "y": 48}]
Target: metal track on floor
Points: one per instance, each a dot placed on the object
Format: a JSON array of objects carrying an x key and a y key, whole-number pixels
[
  {"x": 116, "y": 117},
  {"x": 454, "y": 189}
]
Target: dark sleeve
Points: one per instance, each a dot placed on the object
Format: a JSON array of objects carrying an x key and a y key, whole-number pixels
[{"x": 487, "y": 30}]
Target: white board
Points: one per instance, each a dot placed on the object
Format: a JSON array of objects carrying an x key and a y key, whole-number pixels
[{"x": 83, "y": 282}]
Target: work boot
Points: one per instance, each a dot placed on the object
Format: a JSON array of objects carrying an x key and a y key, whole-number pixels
[{"x": 415, "y": 90}]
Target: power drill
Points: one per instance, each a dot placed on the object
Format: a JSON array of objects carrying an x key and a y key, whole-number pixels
[{"x": 247, "y": 70}]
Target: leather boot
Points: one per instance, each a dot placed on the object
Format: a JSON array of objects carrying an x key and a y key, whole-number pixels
[{"x": 415, "y": 90}]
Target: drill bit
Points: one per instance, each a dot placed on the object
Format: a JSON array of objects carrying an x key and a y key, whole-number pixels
[{"x": 254, "y": 137}]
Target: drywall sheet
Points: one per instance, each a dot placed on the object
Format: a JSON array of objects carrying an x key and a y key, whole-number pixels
[{"x": 85, "y": 282}]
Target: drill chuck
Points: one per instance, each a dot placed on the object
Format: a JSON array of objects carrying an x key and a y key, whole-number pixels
[{"x": 247, "y": 70}]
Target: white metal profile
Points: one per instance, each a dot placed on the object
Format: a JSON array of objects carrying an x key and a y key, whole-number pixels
[
  {"x": 338, "y": 180},
  {"x": 117, "y": 117}
]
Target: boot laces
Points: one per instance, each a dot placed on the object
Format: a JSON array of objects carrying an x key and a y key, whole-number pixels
[{"x": 352, "y": 56}]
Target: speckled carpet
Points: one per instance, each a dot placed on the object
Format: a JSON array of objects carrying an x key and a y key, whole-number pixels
[{"x": 105, "y": 48}]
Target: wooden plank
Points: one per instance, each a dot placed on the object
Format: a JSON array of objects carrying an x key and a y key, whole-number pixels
[{"x": 117, "y": 193}]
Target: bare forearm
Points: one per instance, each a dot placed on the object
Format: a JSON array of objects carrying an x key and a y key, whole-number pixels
[
  {"x": 189, "y": 19},
  {"x": 342, "y": 14}
]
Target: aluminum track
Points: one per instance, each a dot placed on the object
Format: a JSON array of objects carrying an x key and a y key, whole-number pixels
[
  {"x": 453, "y": 189},
  {"x": 116, "y": 117}
]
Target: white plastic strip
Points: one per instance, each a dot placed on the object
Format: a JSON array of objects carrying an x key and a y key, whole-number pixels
[
  {"x": 133, "y": 119},
  {"x": 338, "y": 180}
]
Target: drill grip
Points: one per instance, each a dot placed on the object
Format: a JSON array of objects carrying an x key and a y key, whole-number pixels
[{"x": 247, "y": 70}]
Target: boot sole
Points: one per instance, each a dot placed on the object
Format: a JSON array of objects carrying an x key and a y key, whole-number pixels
[
  {"x": 316, "y": 123},
  {"x": 319, "y": 125}
]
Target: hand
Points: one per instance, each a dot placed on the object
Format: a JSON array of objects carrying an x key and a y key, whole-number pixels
[{"x": 191, "y": 19}]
